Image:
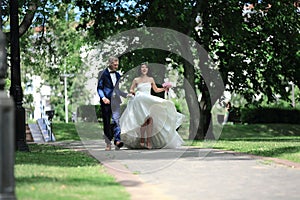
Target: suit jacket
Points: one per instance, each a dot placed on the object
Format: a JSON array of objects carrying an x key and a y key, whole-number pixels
[{"x": 106, "y": 88}]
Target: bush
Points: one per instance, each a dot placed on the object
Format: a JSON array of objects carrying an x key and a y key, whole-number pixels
[
  {"x": 234, "y": 115},
  {"x": 270, "y": 115},
  {"x": 89, "y": 113}
]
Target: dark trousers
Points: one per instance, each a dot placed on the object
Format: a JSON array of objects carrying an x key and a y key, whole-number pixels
[{"x": 111, "y": 116}]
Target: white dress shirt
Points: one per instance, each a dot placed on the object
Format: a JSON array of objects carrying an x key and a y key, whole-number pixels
[{"x": 113, "y": 77}]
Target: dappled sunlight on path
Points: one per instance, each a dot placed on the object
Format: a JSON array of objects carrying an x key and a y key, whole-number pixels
[{"x": 193, "y": 173}]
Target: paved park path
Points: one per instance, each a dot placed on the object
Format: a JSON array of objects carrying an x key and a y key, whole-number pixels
[{"x": 193, "y": 173}]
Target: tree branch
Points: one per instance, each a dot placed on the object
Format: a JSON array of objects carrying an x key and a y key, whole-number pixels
[{"x": 27, "y": 21}]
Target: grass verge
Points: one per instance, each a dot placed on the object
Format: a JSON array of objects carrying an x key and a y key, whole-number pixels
[
  {"x": 65, "y": 131},
  {"x": 270, "y": 140},
  {"x": 51, "y": 172}
]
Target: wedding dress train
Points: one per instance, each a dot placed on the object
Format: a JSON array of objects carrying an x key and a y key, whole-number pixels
[{"x": 165, "y": 120}]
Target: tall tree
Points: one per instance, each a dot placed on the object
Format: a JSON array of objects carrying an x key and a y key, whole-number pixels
[
  {"x": 250, "y": 50},
  {"x": 16, "y": 89},
  {"x": 10, "y": 16},
  {"x": 53, "y": 51},
  {"x": 252, "y": 55},
  {"x": 32, "y": 13}
]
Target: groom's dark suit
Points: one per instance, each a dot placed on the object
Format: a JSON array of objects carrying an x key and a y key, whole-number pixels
[{"x": 107, "y": 89}]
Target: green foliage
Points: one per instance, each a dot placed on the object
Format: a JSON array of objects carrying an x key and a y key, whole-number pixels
[
  {"x": 255, "y": 52},
  {"x": 28, "y": 100},
  {"x": 89, "y": 113},
  {"x": 105, "y": 18},
  {"x": 57, "y": 103},
  {"x": 245, "y": 46},
  {"x": 234, "y": 115},
  {"x": 52, "y": 49},
  {"x": 178, "y": 105},
  {"x": 281, "y": 103},
  {"x": 7, "y": 84},
  {"x": 28, "y": 104}
]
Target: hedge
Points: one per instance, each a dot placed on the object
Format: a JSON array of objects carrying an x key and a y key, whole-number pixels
[
  {"x": 89, "y": 113},
  {"x": 270, "y": 115}
]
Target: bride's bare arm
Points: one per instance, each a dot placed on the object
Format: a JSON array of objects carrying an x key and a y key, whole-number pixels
[
  {"x": 155, "y": 88},
  {"x": 132, "y": 87}
]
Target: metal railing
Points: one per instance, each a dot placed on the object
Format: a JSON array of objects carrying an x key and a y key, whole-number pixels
[{"x": 45, "y": 125}]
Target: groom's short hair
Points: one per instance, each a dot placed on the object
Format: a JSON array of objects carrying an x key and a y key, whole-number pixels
[{"x": 112, "y": 59}]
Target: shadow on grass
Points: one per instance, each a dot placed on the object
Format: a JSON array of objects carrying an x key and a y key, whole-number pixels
[
  {"x": 54, "y": 156},
  {"x": 70, "y": 181},
  {"x": 275, "y": 152},
  {"x": 260, "y": 131},
  {"x": 267, "y": 139}
]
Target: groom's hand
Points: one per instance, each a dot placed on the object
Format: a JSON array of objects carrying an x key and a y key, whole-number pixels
[
  {"x": 132, "y": 93},
  {"x": 105, "y": 100}
]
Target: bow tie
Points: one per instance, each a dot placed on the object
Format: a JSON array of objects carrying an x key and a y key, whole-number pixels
[{"x": 112, "y": 72}]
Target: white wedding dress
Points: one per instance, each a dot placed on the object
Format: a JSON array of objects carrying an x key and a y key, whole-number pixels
[{"x": 165, "y": 120}]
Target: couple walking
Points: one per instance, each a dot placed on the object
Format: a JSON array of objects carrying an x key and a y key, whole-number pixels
[{"x": 147, "y": 122}]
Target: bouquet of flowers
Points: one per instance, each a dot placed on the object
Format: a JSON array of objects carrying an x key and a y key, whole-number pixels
[{"x": 167, "y": 85}]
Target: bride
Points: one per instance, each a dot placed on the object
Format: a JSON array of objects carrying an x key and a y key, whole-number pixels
[{"x": 149, "y": 121}]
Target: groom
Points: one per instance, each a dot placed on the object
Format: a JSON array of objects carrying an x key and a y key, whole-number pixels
[{"x": 110, "y": 101}]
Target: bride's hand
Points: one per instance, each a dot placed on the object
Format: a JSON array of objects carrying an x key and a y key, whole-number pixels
[
  {"x": 167, "y": 86},
  {"x": 130, "y": 95},
  {"x": 132, "y": 92}
]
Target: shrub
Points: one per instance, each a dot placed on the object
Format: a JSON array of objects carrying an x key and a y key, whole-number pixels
[
  {"x": 270, "y": 115},
  {"x": 89, "y": 113}
]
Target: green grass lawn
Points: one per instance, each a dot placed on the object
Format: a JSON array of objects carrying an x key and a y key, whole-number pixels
[
  {"x": 271, "y": 140},
  {"x": 70, "y": 131},
  {"x": 65, "y": 131},
  {"x": 50, "y": 172}
]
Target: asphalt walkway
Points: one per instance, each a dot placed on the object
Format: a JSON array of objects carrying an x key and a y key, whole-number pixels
[{"x": 193, "y": 173}]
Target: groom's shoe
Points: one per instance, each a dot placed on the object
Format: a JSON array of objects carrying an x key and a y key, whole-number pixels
[{"x": 118, "y": 145}]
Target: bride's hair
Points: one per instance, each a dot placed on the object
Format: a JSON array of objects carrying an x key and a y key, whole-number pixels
[
  {"x": 144, "y": 63},
  {"x": 149, "y": 69}
]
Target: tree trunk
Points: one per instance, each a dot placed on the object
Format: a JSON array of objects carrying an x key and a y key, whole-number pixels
[
  {"x": 27, "y": 20},
  {"x": 192, "y": 101},
  {"x": 16, "y": 89},
  {"x": 29, "y": 16},
  {"x": 200, "y": 113},
  {"x": 205, "y": 115}
]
